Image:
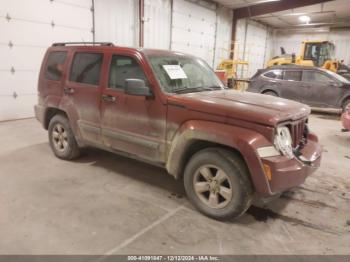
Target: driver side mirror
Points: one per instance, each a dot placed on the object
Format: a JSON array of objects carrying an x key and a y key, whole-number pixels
[{"x": 137, "y": 87}]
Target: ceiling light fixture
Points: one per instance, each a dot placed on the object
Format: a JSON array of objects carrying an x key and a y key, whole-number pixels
[{"x": 305, "y": 19}]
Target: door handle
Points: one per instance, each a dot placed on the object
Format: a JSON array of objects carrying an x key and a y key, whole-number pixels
[
  {"x": 68, "y": 90},
  {"x": 109, "y": 98}
]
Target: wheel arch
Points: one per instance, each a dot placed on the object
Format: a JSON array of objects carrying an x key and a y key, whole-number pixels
[
  {"x": 196, "y": 145},
  {"x": 269, "y": 89},
  {"x": 197, "y": 135},
  {"x": 50, "y": 113},
  {"x": 344, "y": 100}
]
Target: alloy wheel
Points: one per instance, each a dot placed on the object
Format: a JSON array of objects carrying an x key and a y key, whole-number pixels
[
  {"x": 212, "y": 186},
  {"x": 60, "y": 137}
]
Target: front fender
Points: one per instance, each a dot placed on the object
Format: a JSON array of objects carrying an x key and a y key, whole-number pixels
[{"x": 243, "y": 140}]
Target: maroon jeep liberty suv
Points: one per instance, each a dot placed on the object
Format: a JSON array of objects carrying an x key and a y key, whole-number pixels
[{"x": 169, "y": 109}]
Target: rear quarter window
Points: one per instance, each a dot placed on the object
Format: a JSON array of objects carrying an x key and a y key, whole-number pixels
[
  {"x": 86, "y": 68},
  {"x": 274, "y": 74},
  {"x": 55, "y": 59}
]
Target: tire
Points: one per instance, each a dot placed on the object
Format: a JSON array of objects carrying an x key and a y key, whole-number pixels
[
  {"x": 228, "y": 194},
  {"x": 270, "y": 93},
  {"x": 345, "y": 104},
  {"x": 61, "y": 138}
]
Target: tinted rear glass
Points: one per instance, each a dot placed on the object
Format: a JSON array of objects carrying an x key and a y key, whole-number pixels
[
  {"x": 86, "y": 68},
  {"x": 54, "y": 59},
  {"x": 292, "y": 75},
  {"x": 274, "y": 74}
]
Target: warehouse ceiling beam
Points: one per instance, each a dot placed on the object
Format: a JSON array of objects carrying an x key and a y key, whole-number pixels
[
  {"x": 266, "y": 8},
  {"x": 272, "y": 7}
]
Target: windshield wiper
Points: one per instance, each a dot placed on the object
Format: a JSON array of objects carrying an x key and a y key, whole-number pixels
[
  {"x": 191, "y": 89},
  {"x": 214, "y": 87}
]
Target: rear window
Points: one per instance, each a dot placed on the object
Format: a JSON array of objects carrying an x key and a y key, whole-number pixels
[
  {"x": 86, "y": 68},
  {"x": 292, "y": 75},
  {"x": 274, "y": 74},
  {"x": 53, "y": 61}
]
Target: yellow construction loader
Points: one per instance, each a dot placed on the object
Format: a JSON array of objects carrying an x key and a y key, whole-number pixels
[
  {"x": 313, "y": 53},
  {"x": 231, "y": 67}
]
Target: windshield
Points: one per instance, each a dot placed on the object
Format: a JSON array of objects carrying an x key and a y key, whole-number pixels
[
  {"x": 183, "y": 74},
  {"x": 319, "y": 52},
  {"x": 337, "y": 76}
]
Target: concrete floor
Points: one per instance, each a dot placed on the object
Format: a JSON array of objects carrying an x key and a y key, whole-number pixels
[{"x": 107, "y": 204}]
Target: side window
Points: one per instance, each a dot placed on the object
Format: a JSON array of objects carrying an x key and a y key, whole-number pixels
[
  {"x": 292, "y": 75},
  {"x": 55, "y": 59},
  {"x": 86, "y": 68},
  {"x": 122, "y": 68},
  {"x": 274, "y": 74},
  {"x": 313, "y": 76}
]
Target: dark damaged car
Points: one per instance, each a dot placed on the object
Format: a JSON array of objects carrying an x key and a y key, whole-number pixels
[{"x": 313, "y": 86}]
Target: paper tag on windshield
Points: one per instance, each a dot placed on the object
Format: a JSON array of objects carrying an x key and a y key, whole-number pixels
[{"x": 175, "y": 71}]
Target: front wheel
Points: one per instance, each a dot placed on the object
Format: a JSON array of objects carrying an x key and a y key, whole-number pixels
[
  {"x": 217, "y": 183},
  {"x": 62, "y": 140}
]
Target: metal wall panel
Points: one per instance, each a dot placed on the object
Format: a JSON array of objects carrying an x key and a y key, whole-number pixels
[
  {"x": 223, "y": 35},
  {"x": 253, "y": 45},
  {"x": 117, "y": 21},
  {"x": 157, "y": 24},
  {"x": 269, "y": 46},
  {"x": 27, "y": 29},
  {"x": 194, "y": 29}
]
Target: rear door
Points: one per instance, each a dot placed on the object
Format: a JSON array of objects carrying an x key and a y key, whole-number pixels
[
  {"x": 290, "y": 85},
  {"x": 129, "y": 123},
  {"x": 319, "y": 89},
  {"x": 82, "y": 92}
]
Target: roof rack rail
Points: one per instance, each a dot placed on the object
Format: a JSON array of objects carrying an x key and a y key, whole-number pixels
[{"x": 83, "y": 43}]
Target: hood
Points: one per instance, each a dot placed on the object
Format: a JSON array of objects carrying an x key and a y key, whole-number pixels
[{"x": 262, "y": 109}]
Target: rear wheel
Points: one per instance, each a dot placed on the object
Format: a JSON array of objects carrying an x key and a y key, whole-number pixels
[
  {"x": 61, "y": 138},
  {"x": 270, "y": 93},
  {"x": 217, "y": 183}
]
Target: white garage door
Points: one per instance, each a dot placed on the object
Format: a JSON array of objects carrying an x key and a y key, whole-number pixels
[
  {"x": 27, "y": 29},
  {"x": 157, "y": 21},
  {"x": 194, "y": 30},
  {"x": 117, "y": 21}
]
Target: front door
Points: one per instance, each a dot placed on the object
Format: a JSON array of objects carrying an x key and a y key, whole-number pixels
[
  {"x": 82, "y": 92},
  {"x": 319, "y": 89},
  {"x": 131, "y": 124}
]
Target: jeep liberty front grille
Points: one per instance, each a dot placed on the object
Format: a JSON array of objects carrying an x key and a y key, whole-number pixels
[{"x": 298, "y": 132}]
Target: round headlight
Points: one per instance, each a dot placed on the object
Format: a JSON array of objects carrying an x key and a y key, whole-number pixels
[{"x": 283, "y": 141}]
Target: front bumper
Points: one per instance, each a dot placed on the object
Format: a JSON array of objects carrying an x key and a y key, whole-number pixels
[{"x": 289, "y": 173}]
